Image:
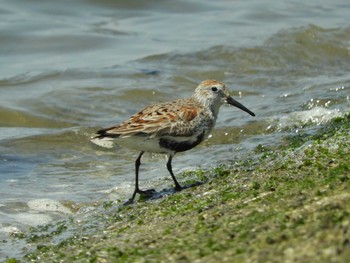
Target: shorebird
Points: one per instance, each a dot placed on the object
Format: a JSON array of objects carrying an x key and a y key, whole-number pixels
[{"x": 170, "y": 127}]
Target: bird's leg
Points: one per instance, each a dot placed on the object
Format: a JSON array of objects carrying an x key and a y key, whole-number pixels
[
  {"x": 168, "y": 165},
  {"x": 137, "y": 189},
  {"x": 137, "y": 167}
]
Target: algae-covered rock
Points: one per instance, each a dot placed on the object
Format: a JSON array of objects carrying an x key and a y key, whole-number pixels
[{"x": 290, "y": 204}]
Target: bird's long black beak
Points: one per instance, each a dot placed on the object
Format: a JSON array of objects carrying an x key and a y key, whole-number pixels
[{"x": 235, "y": 103}]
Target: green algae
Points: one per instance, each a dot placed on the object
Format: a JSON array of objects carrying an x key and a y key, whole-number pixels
[{"x": 292, "y": 203}]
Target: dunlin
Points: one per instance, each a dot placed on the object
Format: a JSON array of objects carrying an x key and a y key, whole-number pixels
[{"x": 170, "y": 127}]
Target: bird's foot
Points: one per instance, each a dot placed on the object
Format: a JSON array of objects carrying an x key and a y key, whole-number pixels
[
  {"x": 195, "y": 184},
  {"x": 178, "y": 188},
  {"x": 146, "y": 193}
]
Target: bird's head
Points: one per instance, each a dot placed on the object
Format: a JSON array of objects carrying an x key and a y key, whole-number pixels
[{"x": 214, "y": 93}]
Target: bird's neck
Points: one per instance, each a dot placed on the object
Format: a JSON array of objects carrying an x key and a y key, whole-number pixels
[{"x": 212, "y": 105}]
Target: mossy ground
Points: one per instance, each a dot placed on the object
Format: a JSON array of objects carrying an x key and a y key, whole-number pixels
[{"x": 290, "y": 204}]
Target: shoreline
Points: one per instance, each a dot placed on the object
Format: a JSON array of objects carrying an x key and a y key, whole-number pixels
[{"x": 291, "y": 204}]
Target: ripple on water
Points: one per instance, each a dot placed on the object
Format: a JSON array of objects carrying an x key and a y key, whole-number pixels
[{"x": 72, "y": 69}]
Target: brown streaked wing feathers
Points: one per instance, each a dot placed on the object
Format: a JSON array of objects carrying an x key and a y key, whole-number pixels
[{"x": 152, "y": 120}]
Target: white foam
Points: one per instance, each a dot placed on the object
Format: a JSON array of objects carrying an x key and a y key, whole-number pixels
[
  {"x": 48, "y": 205},
  {"x": 32, "y": 219},
  {"x": 25, "y": 218},
  {"x": 10, "y": 229},
  {"x": 317, "y": 116}
]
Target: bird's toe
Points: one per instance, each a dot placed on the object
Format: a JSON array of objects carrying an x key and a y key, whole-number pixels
[{"x": 147, "y": 193}]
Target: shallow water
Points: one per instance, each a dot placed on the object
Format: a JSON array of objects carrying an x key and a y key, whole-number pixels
[{"x": 69, "y": 69}]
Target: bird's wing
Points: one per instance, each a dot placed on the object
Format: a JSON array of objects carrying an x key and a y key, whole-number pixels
[{"x": 159, "y": 119}]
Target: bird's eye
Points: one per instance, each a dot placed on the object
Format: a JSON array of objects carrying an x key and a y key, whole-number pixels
[{"x": 214, "y": 89}]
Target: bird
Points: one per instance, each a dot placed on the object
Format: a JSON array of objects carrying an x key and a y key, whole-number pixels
[{"x": 169, "y": 127}]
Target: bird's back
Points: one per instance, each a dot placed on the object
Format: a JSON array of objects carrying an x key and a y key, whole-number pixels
[{"x": 177, "y": 126}]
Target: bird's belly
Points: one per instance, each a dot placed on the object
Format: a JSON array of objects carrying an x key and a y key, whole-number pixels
[
  {"x": 181, "y": 144},
  {"x": 164, "y": 144},
  {"x": 142, "y": 144}
]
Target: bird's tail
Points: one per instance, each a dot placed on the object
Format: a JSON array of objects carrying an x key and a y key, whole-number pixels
[
  {"x": 105, "y": 142},
  {"x": 104, "y": 139}
]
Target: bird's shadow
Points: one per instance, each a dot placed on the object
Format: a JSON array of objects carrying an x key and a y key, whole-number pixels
[{"x": 157, "y": 195}]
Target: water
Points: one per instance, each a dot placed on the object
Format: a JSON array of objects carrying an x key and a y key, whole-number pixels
[{"x": 69, "y": 68}]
